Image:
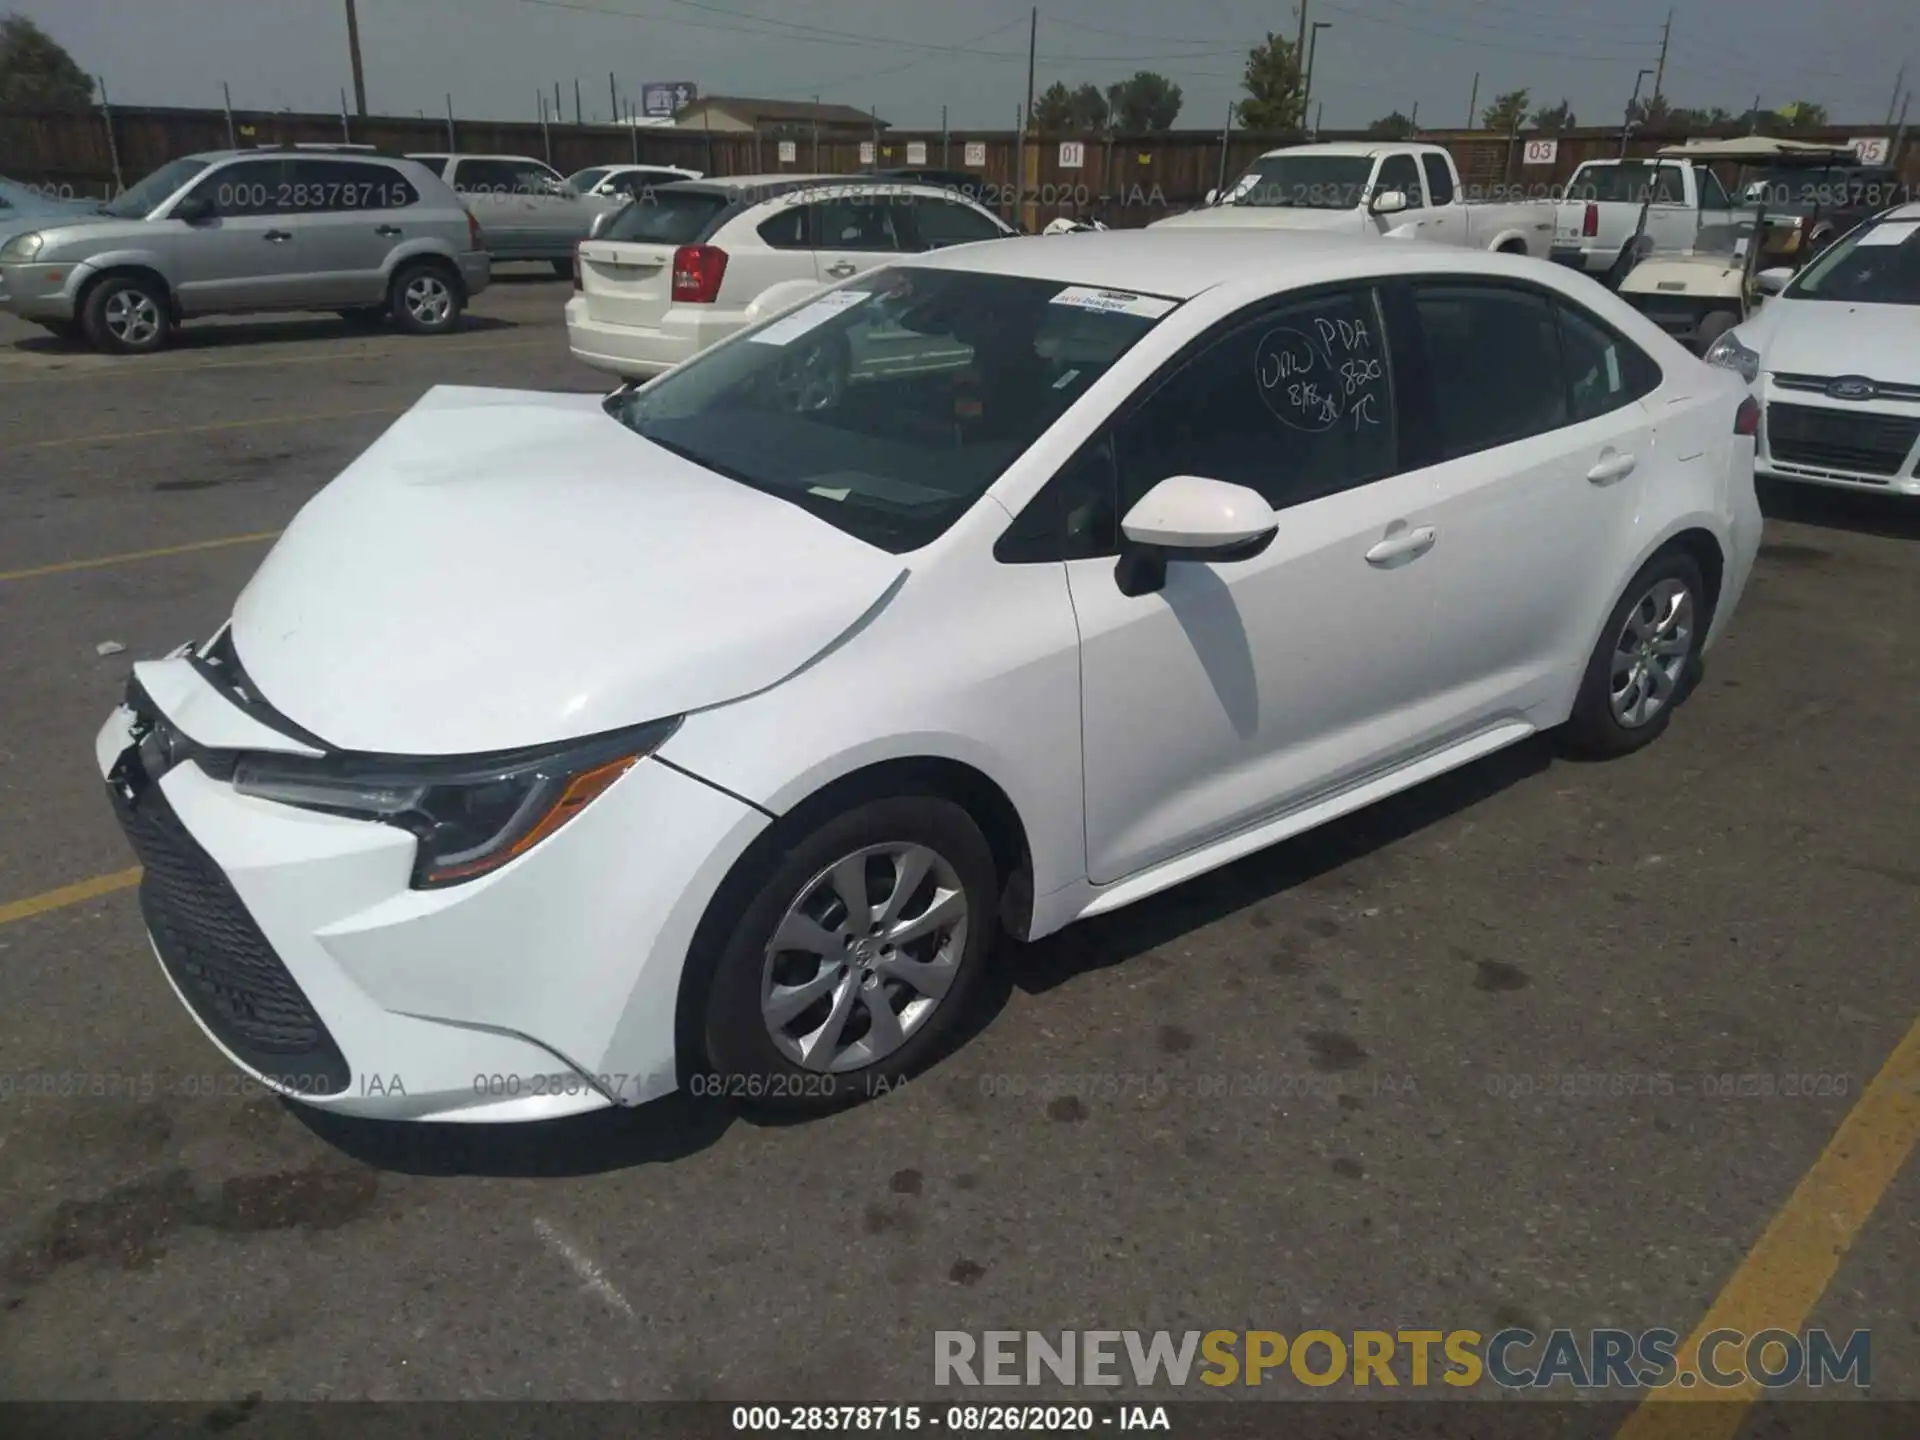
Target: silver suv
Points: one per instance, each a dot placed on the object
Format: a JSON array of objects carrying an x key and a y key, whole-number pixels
[{"x": 232, "y": 231}]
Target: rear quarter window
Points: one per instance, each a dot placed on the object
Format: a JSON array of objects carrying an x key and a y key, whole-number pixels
[{"x": 664, "y": 217}]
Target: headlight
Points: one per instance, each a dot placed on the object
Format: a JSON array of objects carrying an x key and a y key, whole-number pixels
[
  {"x": 471, "y": 815},
  {"x": 1728, "y": 353},
  {"x": 22, "y": 247}
]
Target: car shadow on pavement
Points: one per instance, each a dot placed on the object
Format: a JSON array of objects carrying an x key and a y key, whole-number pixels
[
  {"x": 1892, "y": 517},
  {"x": 279, "y": 329},
  {"x": 664, "y": 1130},
  {"x": 1113, "y": 939}
]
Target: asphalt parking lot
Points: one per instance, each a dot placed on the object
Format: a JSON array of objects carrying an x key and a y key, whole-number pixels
[{"x": 1305, "y": 1092}]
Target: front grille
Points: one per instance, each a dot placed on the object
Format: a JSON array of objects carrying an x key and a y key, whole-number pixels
[
  {"x": 224, "y": 966},
  {"x": 1832, "y": 439},
  {"x": 1791, "y": 380}
]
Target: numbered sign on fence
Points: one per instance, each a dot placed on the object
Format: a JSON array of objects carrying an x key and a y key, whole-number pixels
[
  {"x": 916, "y": 152},
  {"x": 866, "y": 152},
  {"x": 1540, "y": 152},
  {"x": 976, "y": 152},
  {"x": 1871, "y": 149},
  {"x": 789, "y": 152},
  {"x": 1073, "y": 154}
]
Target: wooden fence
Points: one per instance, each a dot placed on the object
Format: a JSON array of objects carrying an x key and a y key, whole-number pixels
[{"x": 1124, "y": 180}]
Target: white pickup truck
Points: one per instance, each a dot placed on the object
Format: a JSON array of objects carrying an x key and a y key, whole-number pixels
[
  {"x": 1395, "y": 191},
  {"x": 1602, "y": 206}
]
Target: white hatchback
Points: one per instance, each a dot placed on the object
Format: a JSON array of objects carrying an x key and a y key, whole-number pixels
[
  {"x": 686, "y": 265},
  {"x": 709, "y": 732}
]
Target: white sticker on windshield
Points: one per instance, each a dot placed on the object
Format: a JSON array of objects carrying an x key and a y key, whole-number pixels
[
  {"x": 1114, "y": 302},
  {"x": 1613, "y": 370},
  {"x": 1892, "y": 232},
  {"x": 807, "y": 317}
]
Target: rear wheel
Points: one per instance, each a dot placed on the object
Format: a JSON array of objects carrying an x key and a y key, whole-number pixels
[
  {"x": 127, "y": 315},
  {"x": 1646, "y": 661},
  {"x": 855, "y": 957},
  {"x": 425, "y": 300}
]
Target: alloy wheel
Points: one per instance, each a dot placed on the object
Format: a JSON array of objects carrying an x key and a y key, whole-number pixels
[
  {"x": 132, "y": 318},
  {"x": 428, "y": 299},
  {"x": 863, "y": 956},
  {"x": 1651, "y": 653}
]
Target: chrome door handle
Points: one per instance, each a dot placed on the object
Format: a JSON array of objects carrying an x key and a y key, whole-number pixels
[
  {"x": 841, "y": 269},
  {"x": 387, "y": 230},
  {"x": 277, "y": 236},
  {"x": 1407, "y": 545},
  {"x": 1611, "y": 468}
]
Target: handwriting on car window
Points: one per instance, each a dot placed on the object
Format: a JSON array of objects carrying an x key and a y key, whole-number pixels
[{"x": 1317, "y": 375}]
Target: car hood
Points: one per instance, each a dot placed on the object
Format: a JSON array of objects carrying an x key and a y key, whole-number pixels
[
  {"x": 1268, "y": 217},
  {"x": 64, "y": 230},
  {"x": 507, "y": 568},
  {"x": 1836, "y": 337}
]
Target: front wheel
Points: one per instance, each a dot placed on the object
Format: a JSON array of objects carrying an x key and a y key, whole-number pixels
[
  {"x": 855, "y": 957},
  {"x": 425, "y": 300},
  {"x": 1646, "y": 661},
  {"x": 127, "y": 315}
]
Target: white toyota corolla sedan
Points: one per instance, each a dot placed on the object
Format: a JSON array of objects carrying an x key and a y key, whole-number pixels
[{"x": 567, "y": 750}]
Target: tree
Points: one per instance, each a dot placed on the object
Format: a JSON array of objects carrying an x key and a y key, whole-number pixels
[
  {"x": 1803, "y": 115},
  {"x": 1390, "y": 127},
  {"x": 1506, "y": 112},
  {"x": 1272, "y": 82},
  {"x": 36, "y": 72},
  {"x": 1554, "y": 117},
  {"x": 1146, "y": 102},
  {"x": 1069, "y": 112}
]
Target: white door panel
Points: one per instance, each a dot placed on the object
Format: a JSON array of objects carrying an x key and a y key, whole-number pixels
[{"x": 1242, "y": 689}]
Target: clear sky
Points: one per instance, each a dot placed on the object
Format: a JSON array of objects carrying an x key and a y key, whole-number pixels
[{"x": 911, "y": 57}]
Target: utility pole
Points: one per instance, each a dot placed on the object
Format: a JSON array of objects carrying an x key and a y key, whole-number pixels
[
  {"x": 556, "y": 104},
  {"x": 1020, "y": 179},
  {"x": 1473, "y": 105},
  {"x": 1753, "y": 117},
  {"x": 1626, "y": 123},
  {"x": 578, "y": 117},
  {"x": 353, "y": 49},
  {"x": 1893, "y": 100},
  {"x": 946, "y": 140},
  {"x": 1900, "y": 135},
  {"x": 613, "y": 99},
  {"x": 1660, "y": 66},
  {"x": 816, "y": 134},
  {"x": 1299, "y": 58},
  {"x": 1413, "y": 120},
  {"x": 228, "y": 94},
  {"x": 1306, "y": 89}
]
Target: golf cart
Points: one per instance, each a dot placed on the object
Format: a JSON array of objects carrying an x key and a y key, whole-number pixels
[{"x": 1698, "y": 291}]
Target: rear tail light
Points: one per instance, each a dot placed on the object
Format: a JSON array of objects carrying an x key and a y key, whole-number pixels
[
  {"x": 1746, "y": 420},
  {"x": 697, "y": 273},
  {"x": 576, "y": 264},
  {"x": 1590, "y": 224},
  {"x": 475, "y": 240}
]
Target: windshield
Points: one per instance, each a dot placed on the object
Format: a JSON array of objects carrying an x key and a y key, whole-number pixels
[
  {"x": 1308, "y": 182},
  {"x": 1830, "y": 189},
  {"x": 585, "y": 180},
  {"x": 1878, "y": 264},
  {"x": 1627, "y": 181},
  {"x": 888, "y": 409},
  {"x": 136, "y": 202}
]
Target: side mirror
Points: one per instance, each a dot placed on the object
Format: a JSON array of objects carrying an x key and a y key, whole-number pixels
[
  {"x": 193, "y": 209},
  {"x": 1773, "y": 280},
  {"x": 599, "y": 223},
  {"x": 1388, "y": 202},
  {"x": 1188, "y": 517},
  {"x": 1213, "y": 198}
]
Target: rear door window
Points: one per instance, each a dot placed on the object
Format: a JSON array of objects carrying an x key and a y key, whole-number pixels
[
  {"x": 344, "y": 185},
  {"x": 854, "y": 223},
  {"x": 504, "y": 177},
  {"x": 939, "y": 223},
  {"x": 1439, "y": 179},
  {"x": 1397, "y": 172},
  {"x": 666, "y": 217},
  {"x": 1494, "y": 355}
]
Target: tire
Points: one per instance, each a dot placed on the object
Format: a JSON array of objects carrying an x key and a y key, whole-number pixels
[
  {"x": 1610, "y": 719},
  {"x": 127, "y": 315},
  {"x": 834, "y": 977},
  {"x": 425, "y": 300},
  {"x": 1712, "y": 328},
  {"x": 365, "y": 317}
]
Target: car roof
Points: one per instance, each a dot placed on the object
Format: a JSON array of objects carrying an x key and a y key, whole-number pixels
[
  {"x": 1182, "y": 262},
  {"x": 474, "y": 155},
  {"x": 1350, "y": 148},
  {"x": 1909, "y": 211}
]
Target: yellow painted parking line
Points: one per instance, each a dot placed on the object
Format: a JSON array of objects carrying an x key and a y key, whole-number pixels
[
  {"x": 1789, "y": 1269},
  {"x": 64, "y": 566},
  {"x": 68, "y": 895},
  {"x": 112, "y": 436},
  {"x": 135, "y": 369}
]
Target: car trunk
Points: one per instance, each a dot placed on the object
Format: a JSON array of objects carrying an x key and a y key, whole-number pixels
[{"x": 626, "y": 272}]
